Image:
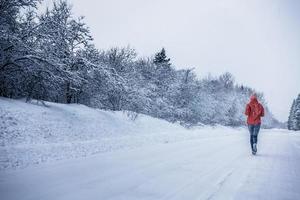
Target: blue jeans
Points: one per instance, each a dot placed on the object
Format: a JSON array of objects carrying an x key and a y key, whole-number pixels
[{"x": 254, "y": 130}]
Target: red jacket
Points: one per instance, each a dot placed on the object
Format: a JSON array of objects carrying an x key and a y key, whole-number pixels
[{"x": 254, "y": 111}]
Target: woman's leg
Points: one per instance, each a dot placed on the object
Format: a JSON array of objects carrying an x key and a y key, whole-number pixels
[
  {"x": 255, "y": 132},
  {"x": 251, "y": 130}
]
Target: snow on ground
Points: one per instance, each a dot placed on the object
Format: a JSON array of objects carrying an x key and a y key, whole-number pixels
[
  {"x": 204, "y": 168},
  {"x": 32, "y": 134},
  {"x": 143, "y": 159}
]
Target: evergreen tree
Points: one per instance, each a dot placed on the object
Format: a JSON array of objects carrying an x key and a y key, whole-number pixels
[
  {"x": 296, "y": 121},
  {"x": 164, "y": 74},
  {"x": 291, "y": 116},
  {"x": 161, "y": 58},
  {"x": 294, "y": 116}
]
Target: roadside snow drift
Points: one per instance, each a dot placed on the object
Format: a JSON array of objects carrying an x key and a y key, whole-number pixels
[{"x": 32, "y": 133}]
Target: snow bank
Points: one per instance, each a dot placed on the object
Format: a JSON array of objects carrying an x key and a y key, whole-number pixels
[{"x": 31, "y": 133}]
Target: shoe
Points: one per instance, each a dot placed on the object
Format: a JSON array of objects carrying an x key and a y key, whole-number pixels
[
  {"x": 253, "y": 152},
  {"x": 254, "y": 147}
]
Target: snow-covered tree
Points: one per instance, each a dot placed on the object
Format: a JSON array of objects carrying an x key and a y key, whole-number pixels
[
  {"x": 21, "y": 62},
  {"x": 64, "y": 37},
  {"x": 294, "y": 116},
  {"x": 164, "y": 73},
  {"x": 160, "y": 58},
  {"x": 291, "y": 118},
  {"x": 50, "y": 56}
]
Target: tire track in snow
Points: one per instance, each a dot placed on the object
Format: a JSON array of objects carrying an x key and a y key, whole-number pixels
[{"x": 220, "y": 184}]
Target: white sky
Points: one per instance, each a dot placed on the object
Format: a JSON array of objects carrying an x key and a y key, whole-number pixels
[{"x": 258, "y": 41}]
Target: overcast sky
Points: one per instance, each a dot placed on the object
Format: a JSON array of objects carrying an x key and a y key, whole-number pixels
[{"x": 258, "y": 41}]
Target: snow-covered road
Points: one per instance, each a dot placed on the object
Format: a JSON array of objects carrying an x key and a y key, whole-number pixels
[{"x": 205, "y": 168}]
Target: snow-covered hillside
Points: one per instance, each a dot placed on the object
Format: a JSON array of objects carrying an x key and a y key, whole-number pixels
[{"x": 32, "y": 133}]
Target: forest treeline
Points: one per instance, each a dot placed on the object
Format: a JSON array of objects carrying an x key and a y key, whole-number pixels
[{"x": 50, "y": 56}]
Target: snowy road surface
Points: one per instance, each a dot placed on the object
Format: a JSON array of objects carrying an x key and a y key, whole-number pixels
[{"x": 205, "y": 168}]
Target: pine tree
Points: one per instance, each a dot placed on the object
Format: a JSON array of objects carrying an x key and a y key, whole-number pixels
[
  {"x": 296, "y": 121},
  {"x": 294, "y": 116},
  {"x": 161, "y": 58},
  {"x": 164, "y": 74},
  {"x": 291, "y": 116}
]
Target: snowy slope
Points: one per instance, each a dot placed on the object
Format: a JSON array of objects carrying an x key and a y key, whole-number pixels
[{"x": 31, "y": 133}]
